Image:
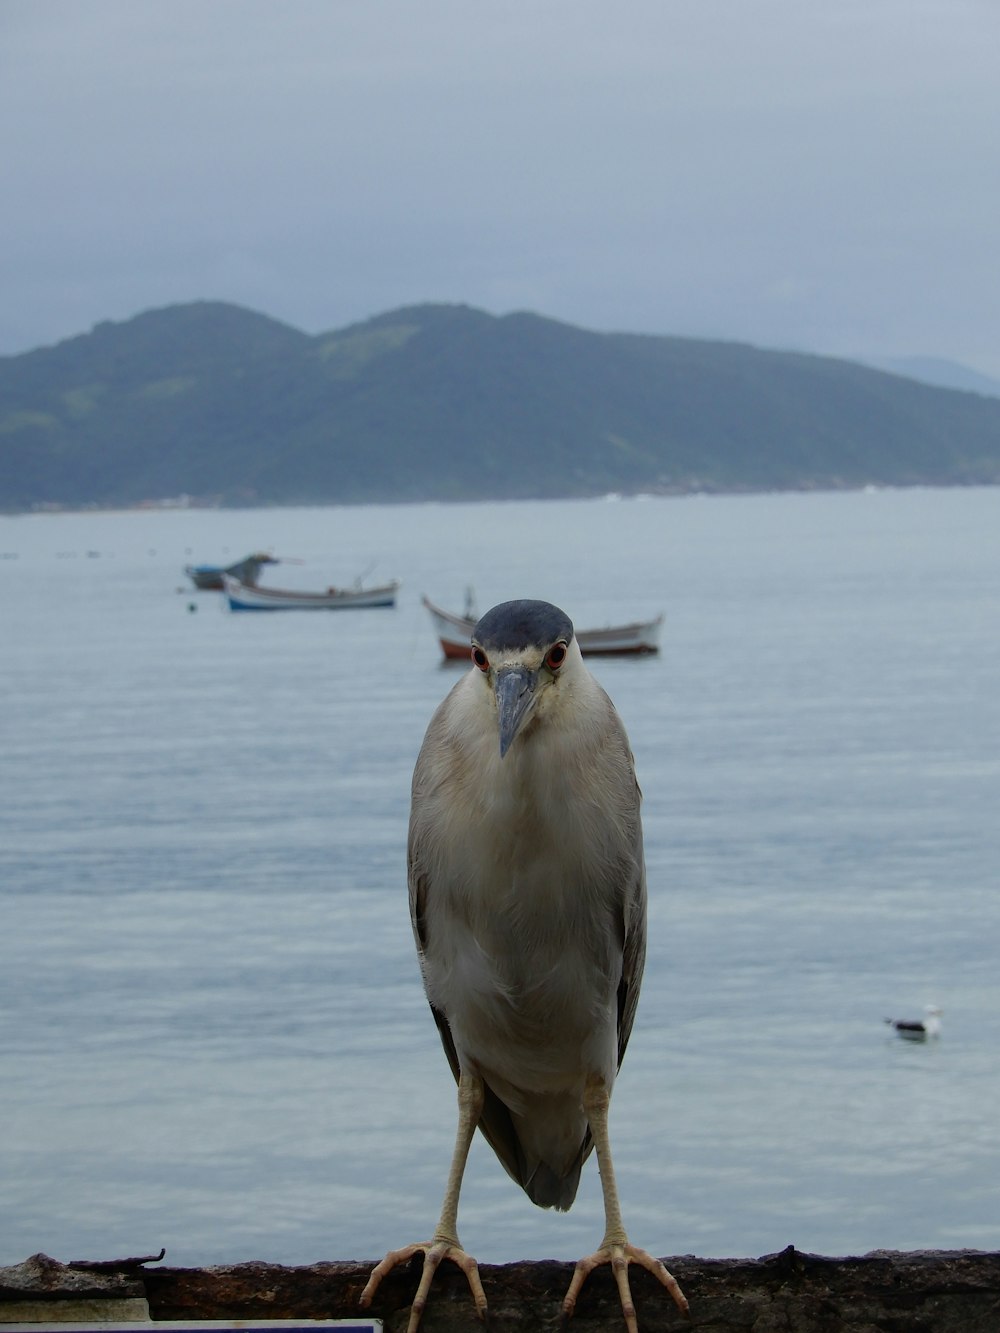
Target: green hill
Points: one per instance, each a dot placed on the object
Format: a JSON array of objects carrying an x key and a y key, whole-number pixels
[{"x": 447, "y": 402}]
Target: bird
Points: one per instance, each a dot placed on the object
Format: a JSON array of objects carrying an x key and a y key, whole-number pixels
[
  {"x": 527, "y": 894},
  {"x": 917, "y": 1029}
]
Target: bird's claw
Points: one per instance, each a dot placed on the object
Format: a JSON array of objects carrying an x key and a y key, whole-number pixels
[
  {"x": 619, "y": 1257},
  {"x": 434, "y": 1253}
]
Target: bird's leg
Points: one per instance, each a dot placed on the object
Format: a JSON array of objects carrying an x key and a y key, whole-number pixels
[
  {"x": 615, "y": 1248},
  {"x": 444, "y": 1244}
]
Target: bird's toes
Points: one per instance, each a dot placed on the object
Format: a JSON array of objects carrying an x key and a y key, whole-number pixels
[
  {"x": 618, "y": 1257},
  {"x": 392, "y": 1260},
  {"x": 661, "y": 1273},
  {"x": 435, "y": 1253}
]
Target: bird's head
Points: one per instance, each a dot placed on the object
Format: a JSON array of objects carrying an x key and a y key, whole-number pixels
[{"x": 522, "y": 649}]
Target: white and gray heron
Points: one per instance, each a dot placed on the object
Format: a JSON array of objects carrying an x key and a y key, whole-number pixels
[{"x": 528, "y": 902}]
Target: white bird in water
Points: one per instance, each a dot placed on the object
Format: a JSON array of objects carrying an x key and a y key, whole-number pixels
[
  {"x": 528, "y": 903},
  {"x": 918, "y": 1029}
]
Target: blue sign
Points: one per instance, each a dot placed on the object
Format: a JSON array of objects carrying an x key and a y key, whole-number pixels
[{"x": 365, "y": 1325}]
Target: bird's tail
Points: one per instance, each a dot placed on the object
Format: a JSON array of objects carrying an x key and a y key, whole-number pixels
[{"x": 549, "y": 1189}]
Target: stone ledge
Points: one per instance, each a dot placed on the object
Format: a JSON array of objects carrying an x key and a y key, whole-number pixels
[{"x": 791, "y": 1292}]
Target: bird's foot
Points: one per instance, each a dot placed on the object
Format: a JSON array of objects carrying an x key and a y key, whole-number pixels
[
  {"x": 434, "y": 1252},
  {"x": 619, "y": 1257}
]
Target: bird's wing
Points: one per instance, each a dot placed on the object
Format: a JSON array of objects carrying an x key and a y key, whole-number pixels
[
  {"x": 633, "y": 955},
  {"x": 418, "y": 916},
  {"x": 495, "y": 1121},
  {"x": 632, "y": 889}
]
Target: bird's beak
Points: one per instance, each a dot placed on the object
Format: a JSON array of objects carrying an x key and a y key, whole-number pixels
[{"x": 514, "y": 689}]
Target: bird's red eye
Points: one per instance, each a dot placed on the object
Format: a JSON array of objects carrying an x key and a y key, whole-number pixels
[
  {"x": 480, "y": 659},
  {"x": 556, "y": 657}
]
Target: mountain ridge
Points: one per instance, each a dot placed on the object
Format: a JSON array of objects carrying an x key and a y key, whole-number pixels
[{"x": 448, "y": 402}]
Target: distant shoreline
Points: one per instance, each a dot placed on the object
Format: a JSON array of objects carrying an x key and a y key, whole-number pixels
[{"x": 192, "y": 504}]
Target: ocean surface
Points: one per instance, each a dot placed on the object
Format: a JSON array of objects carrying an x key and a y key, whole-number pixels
[{"x": 212, "y": 1032}]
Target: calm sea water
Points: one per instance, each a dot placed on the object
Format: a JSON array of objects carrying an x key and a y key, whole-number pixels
[{"x": 212, "y": 1032}]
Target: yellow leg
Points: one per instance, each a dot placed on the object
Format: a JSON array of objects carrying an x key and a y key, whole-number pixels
[
  {"x": 444, "y": 1244},
  {"x": 615, "y": 1248}
]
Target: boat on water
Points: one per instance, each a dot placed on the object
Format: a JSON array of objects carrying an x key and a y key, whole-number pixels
[
  {"x": 254, "y": 597},
  {"x": 642, "y": 636},
  {"x": 246, "y": 570}
]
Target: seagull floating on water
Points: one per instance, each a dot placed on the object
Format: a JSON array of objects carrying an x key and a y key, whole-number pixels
[{"x": 918, "y": 1029}]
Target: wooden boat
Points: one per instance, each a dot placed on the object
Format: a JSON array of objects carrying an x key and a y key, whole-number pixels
[
  {"x": 253, "y": 597},
  {"x": 643, "y": 636},
  {"x": 246, "y": 570}
]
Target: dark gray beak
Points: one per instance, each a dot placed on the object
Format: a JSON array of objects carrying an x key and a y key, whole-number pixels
[{"x": 514, "y": 689}]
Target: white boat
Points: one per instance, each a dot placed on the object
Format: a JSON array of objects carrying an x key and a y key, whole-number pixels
[
  {"x": 642, "y": 636},
  {"x": 254, "y": 597}
]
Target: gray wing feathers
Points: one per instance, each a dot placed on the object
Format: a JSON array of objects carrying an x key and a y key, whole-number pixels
[
  {"x": 495, "y": 1121},
  {"x": 633, "y": 960}
]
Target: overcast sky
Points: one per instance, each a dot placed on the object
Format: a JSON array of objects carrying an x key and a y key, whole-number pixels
[{"x": 813, "y": 174}]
